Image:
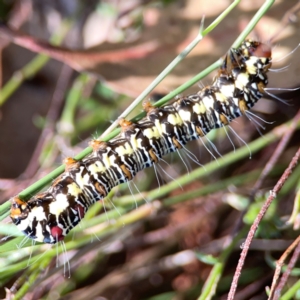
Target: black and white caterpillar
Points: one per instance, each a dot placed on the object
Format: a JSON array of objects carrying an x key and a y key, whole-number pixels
[{"x": 239, "y": 84}]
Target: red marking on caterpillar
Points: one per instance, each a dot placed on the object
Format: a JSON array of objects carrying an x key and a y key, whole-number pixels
[{"x": 57, "y": 232}]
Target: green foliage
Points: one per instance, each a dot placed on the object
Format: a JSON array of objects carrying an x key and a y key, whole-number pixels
[{"x": 113, "y": 221}]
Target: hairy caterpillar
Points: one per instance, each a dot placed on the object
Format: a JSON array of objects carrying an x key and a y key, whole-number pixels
[{"x": 240, "y": 83}]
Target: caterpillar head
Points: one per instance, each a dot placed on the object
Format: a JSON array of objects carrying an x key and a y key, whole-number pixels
[
  {"x": 253, "y": 55},
  {"x": 254, "y": 48},
  {"x": 256, "y": 56},
  {"x": 34, "y": 221}
]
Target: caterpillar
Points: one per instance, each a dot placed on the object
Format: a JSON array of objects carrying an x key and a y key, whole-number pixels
[{"x": 49, "y": 216}]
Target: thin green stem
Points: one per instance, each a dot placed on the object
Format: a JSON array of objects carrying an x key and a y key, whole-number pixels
[
  {"x": 255, "y": 146},
  {"x": 67, "y": 121},
  {"x": 212, "y": 188},
  {"x": 261, "y": 12},
  {"x": 4, "y": 210},
  {"x": 34, "y": 272},
  {"x": 217, "y": 21},
  {"x": 37, "y": 186},
  {"x": 218, "y": 63},
  {"x": 222, "y": 162},
  {"x": 19, "y": 76},
  {"x": 173, "y": 64},
  {"x": 291, "y": 291},
  {"x": 211, "y": 283},
  {"x": 30, "y": 69}
]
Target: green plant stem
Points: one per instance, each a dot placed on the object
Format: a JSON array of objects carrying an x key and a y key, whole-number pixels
[
  {"x": 255, "y": 146},
  {"x": 261, "y": 12},
  {"x": 205, "y": 190},
  {"x": 222, "y": 162},
  {"x": 30, "y": 280},
  {"x": 173, "y": 64},
  {"x": 212, "y": 188},
  {"x": 30, "y": 69},
  {"x": 218, "y": 63},
  {"x": 67, "y": 121},
  {"x": 211, "y": 283},
  {"x": 291, "y": 291},
  {"x": 33, "y": 189}
]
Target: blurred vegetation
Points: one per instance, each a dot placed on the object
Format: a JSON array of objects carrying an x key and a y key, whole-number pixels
[{"x": 176, "y": 237}]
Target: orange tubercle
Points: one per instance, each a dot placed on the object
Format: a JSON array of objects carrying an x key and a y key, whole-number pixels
[
  {"x": 70, "y": 163},
  {"x": 15, "y": 211},
  {"x": 147, "y": 106},
  {"x": 125, "y": 124},
  {"x": 96, "y": 145}
]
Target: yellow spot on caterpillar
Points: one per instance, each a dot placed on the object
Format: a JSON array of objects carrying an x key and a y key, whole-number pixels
[
  {"x": 242, "y": 80},
  {"x": 199, "y": 108},
  {"x": 97, "y": 167},
  {"x": 174, "y": 119},
  {"x": 58, "y": 206},
  {"x": 151, "y": 133}
]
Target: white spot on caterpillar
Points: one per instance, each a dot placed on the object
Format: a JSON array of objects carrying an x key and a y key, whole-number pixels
[
  {"x": 58, "y": 206},
  {"x": 185, "y": 115},
  {"x": 242, "y": 80},
  {"x": 174, "y": 119},
  {"x": 151, "y": 133},
  {"x": 227, "y": 90}
]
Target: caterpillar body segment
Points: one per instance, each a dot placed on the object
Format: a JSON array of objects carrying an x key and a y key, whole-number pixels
[{"x": 239, "y": 84}]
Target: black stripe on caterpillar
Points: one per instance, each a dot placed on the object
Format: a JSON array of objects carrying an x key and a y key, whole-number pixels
[{"x": 239, "y": 84}]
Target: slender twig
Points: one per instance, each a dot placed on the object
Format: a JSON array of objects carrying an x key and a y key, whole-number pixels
[
  {"x": 291, "y": 291},
  {"x": 20, "y": 13},
  {"x": 218, "y": 63},
  {"x": 275, "y": 291},
  {"x": 211, "y": 283},
  {"x": 172, "y": 65},
  {"x": 289, "y": 17},
  {"x": 156, "y": 81},
  {"x": 47, "y": 179},
  {"x": 253, "y": 229},
  {"x": 264, "y": 8},
  {"x": 294, "y": 218},
  {"x": 79, "y": 60},
  {"x": 51, "y": 118}
]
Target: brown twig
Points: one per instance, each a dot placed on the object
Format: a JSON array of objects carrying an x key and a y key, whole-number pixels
[
  {"x": 252, "y": 288},
  {"x": 289, "y": 17},
  {"x": 253, "y": 229},
  {"x": 275, "y": 292},
  {"x": 78, "y": 60},
  {"x": 51, "y": 118},
  {"x": 20, "y": 13}
]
